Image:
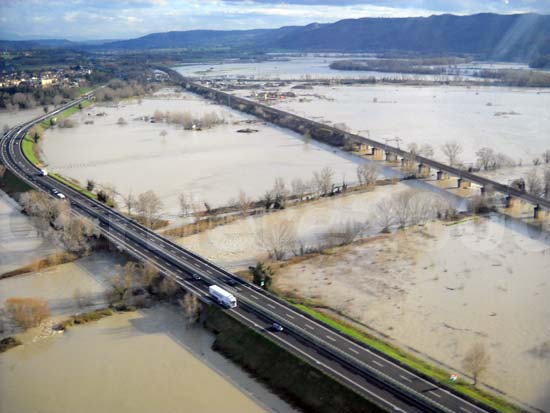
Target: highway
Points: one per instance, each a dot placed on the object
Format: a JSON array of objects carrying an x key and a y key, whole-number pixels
[{"x": 362, "y": 369}]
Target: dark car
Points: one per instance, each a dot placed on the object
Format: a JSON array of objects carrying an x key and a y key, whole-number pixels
[
  {"x": 230, "y": 281},
  {"x": 196, "y": 276},
  {"x": 277, "y": 327}
]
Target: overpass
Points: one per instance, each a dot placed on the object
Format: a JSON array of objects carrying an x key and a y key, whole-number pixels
[
  {"x": 338, "y": 137},
  {"x": 384, "y": 381}
]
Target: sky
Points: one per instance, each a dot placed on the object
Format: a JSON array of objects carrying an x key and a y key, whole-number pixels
[{"x": 122, "y": 19}]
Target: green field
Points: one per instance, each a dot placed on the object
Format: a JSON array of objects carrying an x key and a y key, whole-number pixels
[{"x": 412, "y": 361}]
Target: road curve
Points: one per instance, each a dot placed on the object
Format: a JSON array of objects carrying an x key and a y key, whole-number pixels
[{"x": 362, "y": 369}]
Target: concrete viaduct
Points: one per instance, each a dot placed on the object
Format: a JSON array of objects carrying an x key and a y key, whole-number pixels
[{"x": 378, "y": 150}]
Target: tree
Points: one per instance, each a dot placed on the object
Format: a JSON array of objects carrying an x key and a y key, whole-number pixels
[
  {"x": 277, "y": 240},
  {"x": 546, "y": 156},
  {"x": 533, "y": 183},
  {"x": 452, "y": 150},
  {"x": 191, "y": 307},
  {"x": 27, "y": 312},
  {"x": 546, "y": 184},
  {"x": 186, "y": 204},
  {"x": 244, "y": 202},
  {"x": 279, "y": 192},
  {"x": 90, "y": 185},
  {"x": 149, "y": 207},
  {"x": 385, "y": 214},
  {"x": 2, "y": 171},
  {"x": 476, "y": 361},
  {"x": 344, "y": 234},
  {"x": 36, "y": 133},
  {"x": 163, "y": 134},
  {"x": 486, "y": 158},
  {"x": 367, "y": 173},
  {"x": 121, "y": 122},
  {"x": 323, "y": 180},
  {"x": 299, "y": 188},
  {"x": 130, "y": 203},
  {"x": 75, "y": 232},
  {"x": 262, "y": 275}
]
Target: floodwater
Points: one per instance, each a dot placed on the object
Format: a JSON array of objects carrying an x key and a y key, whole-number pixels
[
  {"x": 17, "y": 117},
  {"x": 137, "y": 362},
  {"x": 439, "y": 289},
  {"x": 212, "y": 165},
  {"x": 59, "y": 284},
  {"x": 19, "y": 242},
  {"x": 512, "y": 121},
  {"x": 313, "y": 67},
  {"x": 238, "y": 245}
]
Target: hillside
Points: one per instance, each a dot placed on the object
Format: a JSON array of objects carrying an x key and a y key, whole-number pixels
[{"x": 493, "y": 36}]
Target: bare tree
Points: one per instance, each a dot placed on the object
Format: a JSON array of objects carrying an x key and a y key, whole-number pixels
[
  {"x": 191, "y": 307},
  {"x": 385, "y": 214},
  {"x": 279, "y": 192},
  {"x": 546, "y": 156},
  {"x": 82, "y": 299},
  {"x": 485, "y": 158},
  {"x": 367, "y": 173},
  {"x": 344, "y": 233},
  {"x": 546, "y": 184},
  {"x": 426, "y": 150},
  {"x": 36, "y": 133},
  {"x": 163, "y": 134},
  {"x": 27, "y": 312},
  {"x": 149, "y": 207},
  {"x": 130, "y": 203},
  {"x": 277, "y": 240},
  {"x": 244, "y": 202},
  {"x": 452, "y": 150},
  {"x": 121, "y": 122},
  {"x": 186, "y": 204},
  {"x": 76, "y": 232},
  {"x": 476, "y": 361},
  {"x": 323, "y": 180},
  {"x": 299, "y": 188},
  {"x": 533, "y": 183}
]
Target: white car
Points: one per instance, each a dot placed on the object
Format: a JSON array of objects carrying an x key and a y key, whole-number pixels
[
  {"x": 43, "y": 172},
  {"x": 60, "y": 195}
]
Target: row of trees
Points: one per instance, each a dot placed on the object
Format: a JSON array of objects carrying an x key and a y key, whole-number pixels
[
  {"x": 53, "y": 220},
  {"x": 118, "y": 89},
  {"x": 27, "y": 98},
  {"x": 189, "y": 121}
]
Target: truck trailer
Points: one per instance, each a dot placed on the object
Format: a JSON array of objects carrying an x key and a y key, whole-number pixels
[{"x": 223, "y": 297}]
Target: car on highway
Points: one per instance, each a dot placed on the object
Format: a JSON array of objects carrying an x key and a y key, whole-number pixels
[
  {"x": 276, "y": 327},
  {"x": 196, "y": 276},
  {"x": 43, "y": 172},
  {"x": 60, "y": 195},
  {"x": 54, "y": 191},
  {"x": 230, "y": 281}
]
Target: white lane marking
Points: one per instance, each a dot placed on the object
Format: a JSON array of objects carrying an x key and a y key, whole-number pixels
[
  {"x": 463, "y": 409},
  {"x": 435, "y": 394},
  {"x": 308, "y": 326},
  {"x": 278, "y": 337},
  {"x": 289, "y": 316},
  {"x": 270, "y": 305},
  {"x": 377, "y": 363},
  {"x": 331, "y": 338},
  {"x": 353, "y": 351},
  {"x": 405, "y": 378},
  {"x": 254, "y": 297}
]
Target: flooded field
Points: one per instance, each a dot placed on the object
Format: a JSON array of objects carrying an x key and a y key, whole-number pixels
[
  {"x": 19, "y": 243},
  {"x": 60, "y": 284},
  {"x": 17, "y": 117},
  {"x": 212, "y": 164},
  {"x": 515, "y": 122},
  {"x": 311, "y": 67},
  {"x": 135, "y": 362},
  {"x": 238, "y": 245},
  {"x": 440, "y": 289}
]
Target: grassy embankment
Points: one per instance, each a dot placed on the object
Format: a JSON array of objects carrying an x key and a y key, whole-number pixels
[
  {"x": 288, "y": 375},
  {"x": 412, "y": 361}
]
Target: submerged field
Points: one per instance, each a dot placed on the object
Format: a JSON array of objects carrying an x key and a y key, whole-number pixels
[
  {"x": 512, "y": 121},
  {"x": 213, "y": 165},
  {"x": 439, "y": 289}
]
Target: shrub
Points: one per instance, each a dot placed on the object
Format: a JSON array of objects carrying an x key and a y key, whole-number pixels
[{"x": 27, "y": 312}]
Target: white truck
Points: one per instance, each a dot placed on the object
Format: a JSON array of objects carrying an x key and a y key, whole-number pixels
[{"x": 223, "y": 297}]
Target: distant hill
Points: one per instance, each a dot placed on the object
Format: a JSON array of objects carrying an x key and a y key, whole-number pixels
[
  {"x": 493, "y": 36},
  {"x": 518, "y": 37}
]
